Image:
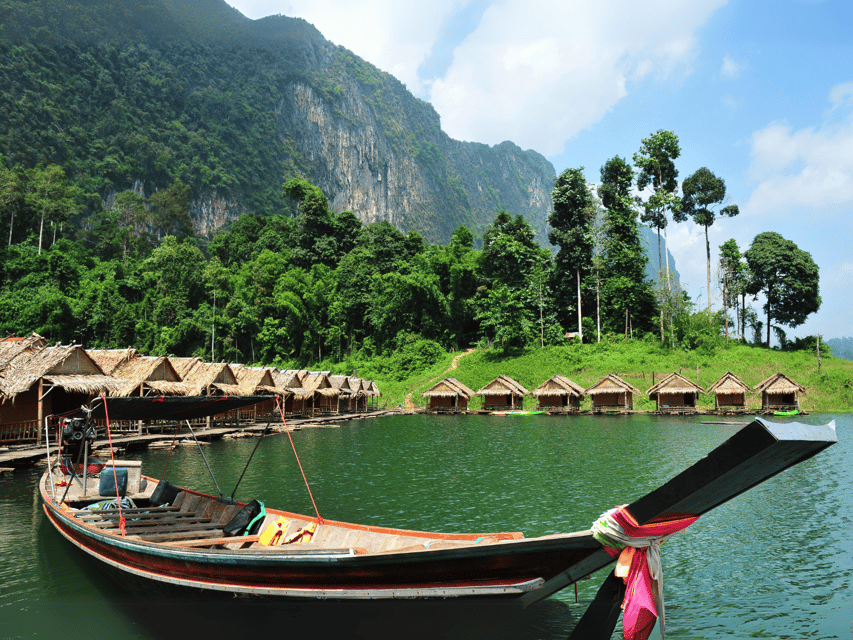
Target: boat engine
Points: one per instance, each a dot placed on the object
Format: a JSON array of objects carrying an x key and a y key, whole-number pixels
[{"x": 76, "y": 432}]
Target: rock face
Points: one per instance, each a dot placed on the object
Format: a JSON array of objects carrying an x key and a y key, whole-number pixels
[{"x": 419, "y": 179}]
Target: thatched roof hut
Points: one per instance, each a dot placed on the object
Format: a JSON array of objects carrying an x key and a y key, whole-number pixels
[
  {"x": 48, "y": 381},
  {"x": 325, "y": 395},
  {"x": 558, "y": 393},
  {"x": 675, "y": 393},
  {"x": 779, "y": 393},
  {"x": 149, "y": 375},
  {"x": 298, "y": 400},
  {"x": 729, "y": 393},
  {"x": 502, "y": 393},
  {"x": 448, "y": 395},
  {"x": 612, "y": 393},
  {"x": 111, "y": 359}
]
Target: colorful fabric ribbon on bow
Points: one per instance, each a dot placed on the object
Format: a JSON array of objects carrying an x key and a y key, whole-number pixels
[{"x": 637, "y": 549}]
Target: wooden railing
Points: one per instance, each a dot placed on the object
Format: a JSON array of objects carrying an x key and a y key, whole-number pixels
[{"x": 19, "y": 432}]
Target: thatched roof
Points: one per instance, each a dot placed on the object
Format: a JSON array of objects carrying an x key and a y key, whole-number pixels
[
  {"x": 10, "y": 348},
  {"x": 449, "y": 387},
  {"x": 111, "y": 359},
  {"x": 558, "y": 385},
  {"x": 675, "y": 383},
  {"x": 217, "y": 376},
  {"x": 502, "y": 385},
  {"x": 374, "y": 390},
  {"x": 256, "y": 380},
  {"x": 777, "y": 384},
  {"x": 611, "y": 383},
  {"x": 729, "y": 383},
  {"x": 320, "y": 385},
  {"x": 68, "y": 367},
  {"x": 150, "y": 372},
  {"x": 184, "y": 365}
]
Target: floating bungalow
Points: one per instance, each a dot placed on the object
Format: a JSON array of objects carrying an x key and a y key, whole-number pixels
[
  {"x": 448, "y": 395},
  {"x": 612, "y": 393},
  {"x": 502, "y": 394},
  {"x": 324, "y": 395},
  {"x": 675, "y": 394},
  {"x": 779, "y": 393},
  {"x": 729, "y": 393},
  {"x": 372, "y": 392},
  {"x": 299, "y": 400},
  {"x": 558, "y": 393},
  {"x": 41, "y": 380}
]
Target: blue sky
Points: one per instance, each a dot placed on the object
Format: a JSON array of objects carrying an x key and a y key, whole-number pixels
[{"x": 759, "y": 92}]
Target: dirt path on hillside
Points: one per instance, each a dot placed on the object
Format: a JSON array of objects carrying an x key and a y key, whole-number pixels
[
  {"x": 455, "y": 361},
  {"x": 409, "y": 405}
]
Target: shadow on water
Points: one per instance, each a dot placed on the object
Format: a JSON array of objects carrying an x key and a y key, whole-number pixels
[
  {"x": 181, "y": 613},
  {"x": 154, "y": 610}
]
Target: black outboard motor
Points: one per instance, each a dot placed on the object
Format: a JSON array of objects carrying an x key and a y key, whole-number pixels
[{"x": 76, "y": 432}]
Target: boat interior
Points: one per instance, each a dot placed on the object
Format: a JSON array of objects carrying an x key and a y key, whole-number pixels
[{"x": 196, "y": 520}]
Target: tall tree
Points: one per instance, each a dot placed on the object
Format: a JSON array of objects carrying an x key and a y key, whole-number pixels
[
  {"x": 11, "y": 193},
  {"x": 734, "y": 276},
  {"x": 786, "y": 275},
  {"x": 51, "y": 196},
  {"x": 571, "y": 223},
  {"x": 628, "y": 295},
  {"x": 702, "y": 193},
  {"x": 656, "y": 163}
]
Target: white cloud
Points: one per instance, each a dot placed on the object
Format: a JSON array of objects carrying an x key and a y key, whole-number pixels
[
  {"x": 730, "y": 68},
  {"x": 810, "y": 169},
  {"x": 395, "y": 36},
  {"x": 538, "y": 73}
]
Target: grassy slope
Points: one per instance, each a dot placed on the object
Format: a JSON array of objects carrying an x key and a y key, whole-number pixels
[{"x": 831, "y": 390}]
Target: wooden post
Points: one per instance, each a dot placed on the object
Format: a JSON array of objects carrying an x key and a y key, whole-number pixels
[
  {"x": 818, "y": 355},
  {"x": 40, "y": 413}
]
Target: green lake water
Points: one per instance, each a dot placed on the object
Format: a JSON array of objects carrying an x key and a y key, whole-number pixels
[{"x": 776, "y": 562}]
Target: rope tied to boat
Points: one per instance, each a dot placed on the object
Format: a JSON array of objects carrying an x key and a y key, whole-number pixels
[
  {"x": 122, "y": 525},
  {"x": 637, "y": 549},
  {"x": 293, "y": 446}
]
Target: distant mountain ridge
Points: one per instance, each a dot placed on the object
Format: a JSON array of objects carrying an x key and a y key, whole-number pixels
[
  {"x": 136, "y": 94},
  {"x": 841, "y": 347}
]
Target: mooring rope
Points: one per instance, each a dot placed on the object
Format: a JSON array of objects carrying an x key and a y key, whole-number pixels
[
  {"x": 311, "y": 495},
  {"x": 121, "y": 521}
]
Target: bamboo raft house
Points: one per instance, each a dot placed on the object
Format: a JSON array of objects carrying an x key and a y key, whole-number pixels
[
  {"x": 372, "y": 392},
  {"x": 779, "y": 393},
  {"x": 448, "y": 395},
  {"x": 149, "y": 376},
  {"x": 729, "y": 393},
  {"x": 258, "y": 381},
  {"x": 559, "y": 394},
  {"x": 675, "y": 394},
  {"x": 358, "y": 399},
  {"x": 298, "y": 398},
  {"x": 325, "y": 396},
  {"x": 41, "y": 381},
  {"x": 183, "y": 366},
  {"x": 612, "y": 393},
  {"x": 502, "y": 394}
]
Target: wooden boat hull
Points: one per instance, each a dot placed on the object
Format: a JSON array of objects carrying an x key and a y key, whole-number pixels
[{"x": 507, "y": 568}]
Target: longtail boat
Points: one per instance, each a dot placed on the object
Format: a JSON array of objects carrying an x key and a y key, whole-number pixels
[{"x": 177, "y": 535}]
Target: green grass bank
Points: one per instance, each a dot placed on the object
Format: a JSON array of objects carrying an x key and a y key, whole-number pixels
[{"x": 638, "y": 363}]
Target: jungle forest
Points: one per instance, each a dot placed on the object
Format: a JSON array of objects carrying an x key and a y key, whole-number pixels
[{"x": 316, "y": 287}]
